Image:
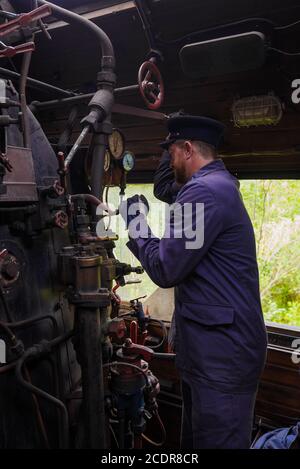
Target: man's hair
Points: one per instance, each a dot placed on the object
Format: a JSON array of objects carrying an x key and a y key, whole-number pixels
[{"x": 206, "y": 150}]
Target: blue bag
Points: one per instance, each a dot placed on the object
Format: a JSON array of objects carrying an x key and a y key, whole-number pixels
[{"x": 281, "y": 438}]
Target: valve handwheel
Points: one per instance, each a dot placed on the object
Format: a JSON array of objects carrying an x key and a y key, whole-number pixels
[{"x": 151, "y": 85}]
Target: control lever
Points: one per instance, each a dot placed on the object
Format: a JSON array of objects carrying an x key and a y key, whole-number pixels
[
  {"x": 129, "y": 349},
  {"x": 130, "y": 282},
  {"x": 10, "y": 51},
  {"x": 4, "y": 161},
  {"x": 25, "y": 19}
]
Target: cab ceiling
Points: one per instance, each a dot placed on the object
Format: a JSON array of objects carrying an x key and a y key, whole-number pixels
[{"x": 71, "y": 61}]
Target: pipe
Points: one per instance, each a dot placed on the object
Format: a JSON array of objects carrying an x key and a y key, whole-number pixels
[
  {"x": 5, "y": 305},
  {"x": 77, "y": 99},
  {"x": 90, "y": 360},
  {"x": 11, "y": 336},
  {"x": 98, "y": 145},
  {"x": 57, "y": 362},
  {"x": 165, "y": 333},
  {"x": 165, "y": 356},
  {"x": 33, "y": 352},
  {"x": 9, "y": 367},
  {"x": 145, "y": 22},
  {"x": 91, "y": 199},
  {"x": 101, "y": 103},
  {"x": 29, "y": 322},
  {"x": 39, "y": 417},
  {"x": 24, "y": 112},
  {"x": 135, "y": 367},
  {"x": 108, "y": 57},
  {"x": 35, "y": 84},
  {"x": 76, "y": 146},
  {"x": 30, "y": 209}
]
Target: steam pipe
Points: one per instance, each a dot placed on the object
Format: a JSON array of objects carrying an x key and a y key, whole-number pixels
[
  {"x": 76, "y": 99},
  {"x": 108, "y": 56},
  {"x": 88, "y": 324},
  {"x": 101, "y": 103},
  {"x": 97, "y": 173}
]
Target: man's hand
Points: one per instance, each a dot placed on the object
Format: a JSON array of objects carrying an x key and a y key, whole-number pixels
[{"x": 136, "y": 206}]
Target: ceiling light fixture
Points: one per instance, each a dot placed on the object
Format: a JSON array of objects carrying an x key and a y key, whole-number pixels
[{"x": 257, "y": 111}]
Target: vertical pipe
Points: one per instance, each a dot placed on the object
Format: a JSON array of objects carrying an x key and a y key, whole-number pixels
[
  {"x": 25, "y": 120},
  {"x": 88, "y": 320},
  {"x": 98, "y": 145}
]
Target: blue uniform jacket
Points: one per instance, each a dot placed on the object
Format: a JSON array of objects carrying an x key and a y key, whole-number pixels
[{"x": 220, "y": 331}]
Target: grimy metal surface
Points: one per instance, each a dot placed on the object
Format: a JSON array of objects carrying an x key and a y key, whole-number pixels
[{"x": 20, "y": 183}]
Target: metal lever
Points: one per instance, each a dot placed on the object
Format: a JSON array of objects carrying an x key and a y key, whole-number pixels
[
  {"x": 10, "y": 51},
  {"x": 25, "y": 19}
]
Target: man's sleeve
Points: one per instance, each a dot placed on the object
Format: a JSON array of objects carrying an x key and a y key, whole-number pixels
[
  {"x": 194, "y": 226},
  {"x": 165, "y": 187}
]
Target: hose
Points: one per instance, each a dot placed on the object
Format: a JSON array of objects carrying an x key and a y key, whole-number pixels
[
  {"x": 164, "y": 433},
  {"x": 165, "y": 334},
  {"x": 66, "y": 134}
]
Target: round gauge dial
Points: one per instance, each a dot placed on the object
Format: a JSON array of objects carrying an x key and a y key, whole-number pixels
[
  {"x": 116, "y": 144},
  {"x": 128, "y": 161},
  {"x": 106, "y": 161}
]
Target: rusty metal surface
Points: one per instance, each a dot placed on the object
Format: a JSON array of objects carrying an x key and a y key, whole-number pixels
[{"x": 20, "y": 183}]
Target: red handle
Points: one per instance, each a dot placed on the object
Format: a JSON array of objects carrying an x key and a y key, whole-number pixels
[
  {"x": 10, "y": 51},
  {"x": 24, "y": 19},
  {"x": 152, "y": 90}
]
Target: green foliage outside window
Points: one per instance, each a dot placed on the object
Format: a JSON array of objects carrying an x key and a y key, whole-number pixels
[{"x": 274, "y": 208}]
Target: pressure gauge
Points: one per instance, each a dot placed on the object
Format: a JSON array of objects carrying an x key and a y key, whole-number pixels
[
  {"x": 116, "y": 144},
  {"x": 128, "y": 161},
  {"x": 106, "y": 161}
]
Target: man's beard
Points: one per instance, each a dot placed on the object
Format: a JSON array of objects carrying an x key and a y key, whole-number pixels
[{"x": 181, "y": 176}]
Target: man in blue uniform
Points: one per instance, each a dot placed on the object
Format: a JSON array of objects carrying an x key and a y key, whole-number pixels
[{"x": 210, "y": 259}]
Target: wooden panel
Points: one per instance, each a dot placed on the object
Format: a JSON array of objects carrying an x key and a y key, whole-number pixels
[{"x": 278, "y": 397}]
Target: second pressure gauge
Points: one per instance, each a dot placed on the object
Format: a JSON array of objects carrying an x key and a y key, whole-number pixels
[
  {"x": 128, "y": 161},
  {"x": 116, "y": 144}
]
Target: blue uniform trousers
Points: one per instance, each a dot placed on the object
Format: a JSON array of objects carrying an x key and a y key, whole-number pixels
[{"x": 213, "y": 418}]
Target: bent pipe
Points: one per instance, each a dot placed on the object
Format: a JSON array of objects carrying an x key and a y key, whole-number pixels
[
  {"x": 108, "y": 56},
  {"x": 34, "y": 352}
]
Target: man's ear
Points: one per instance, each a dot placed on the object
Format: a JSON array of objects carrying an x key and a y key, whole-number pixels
[{"x": 188, "y": 147}]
